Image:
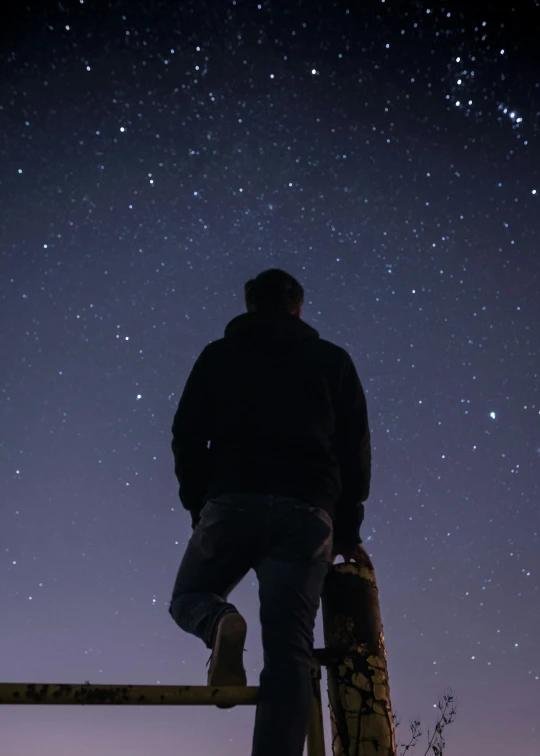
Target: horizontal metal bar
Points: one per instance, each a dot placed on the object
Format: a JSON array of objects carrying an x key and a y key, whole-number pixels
[
  {"x": 127, "y": 695},
  {"x": 63, "y": 694}
]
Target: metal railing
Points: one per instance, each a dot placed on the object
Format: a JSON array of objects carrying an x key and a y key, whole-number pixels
[{"x": 354, "y": 654}]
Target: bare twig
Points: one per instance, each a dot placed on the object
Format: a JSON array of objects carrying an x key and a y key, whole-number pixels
[
  {"x": 416, "y": 734},
  {"x": 436, "y": 741},
  {"x": 447, "y": 707}
]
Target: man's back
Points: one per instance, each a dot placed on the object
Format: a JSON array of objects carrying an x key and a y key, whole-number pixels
[{"x": 285, "y": 414}]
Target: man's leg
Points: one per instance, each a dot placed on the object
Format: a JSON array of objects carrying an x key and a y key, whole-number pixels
[
  {"x": 291, "y": 576},
  {"x": 217, "y": 557}
]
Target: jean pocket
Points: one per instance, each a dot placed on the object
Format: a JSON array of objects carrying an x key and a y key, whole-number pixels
[
  {"x": 318, "y": 512},
  {"x": 222, "y": 528},
  {"x": 306, "y": 536}
]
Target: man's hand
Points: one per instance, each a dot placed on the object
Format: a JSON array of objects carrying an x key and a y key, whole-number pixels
[{"x": 352, "y": 553}]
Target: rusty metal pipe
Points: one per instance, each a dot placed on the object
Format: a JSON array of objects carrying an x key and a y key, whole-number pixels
[{"x": 126, "y": 695}]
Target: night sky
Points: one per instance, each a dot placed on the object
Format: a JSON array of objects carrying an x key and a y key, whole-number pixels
[{"x": 152, "y": 160}]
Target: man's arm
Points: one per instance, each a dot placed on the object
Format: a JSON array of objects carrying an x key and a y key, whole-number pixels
[
  {"x": 192, "y": 429},
  {"x": 353, "y": 446}
]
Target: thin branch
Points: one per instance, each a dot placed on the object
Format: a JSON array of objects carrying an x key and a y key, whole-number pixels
[
  {"x": 416, "y": 734},
  {"x": 436, "y": 742}
]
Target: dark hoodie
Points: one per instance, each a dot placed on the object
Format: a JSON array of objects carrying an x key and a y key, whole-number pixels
[{"x": 273, "y": 408}]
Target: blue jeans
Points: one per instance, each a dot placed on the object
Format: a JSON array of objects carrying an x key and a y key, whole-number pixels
[{"x": 288, "y": 543}]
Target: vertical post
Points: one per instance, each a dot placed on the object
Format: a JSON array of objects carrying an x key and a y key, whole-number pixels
[
  {"x": 315, "y": 733},
  {"x": 358, "y": 688}
]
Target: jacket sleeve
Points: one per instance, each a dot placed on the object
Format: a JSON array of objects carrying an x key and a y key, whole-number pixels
[
  {"x": 192, "y": 430},
  {"x": 353, "y": 448}
]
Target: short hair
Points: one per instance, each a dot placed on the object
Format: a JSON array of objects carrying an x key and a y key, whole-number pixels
[{"x": 273, "y": 290}]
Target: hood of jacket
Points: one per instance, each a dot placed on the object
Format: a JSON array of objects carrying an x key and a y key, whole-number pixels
[{"x": 280, "y": 326}]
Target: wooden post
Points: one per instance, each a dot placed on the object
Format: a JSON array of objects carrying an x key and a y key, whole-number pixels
[{"x": 358, "y": 689}]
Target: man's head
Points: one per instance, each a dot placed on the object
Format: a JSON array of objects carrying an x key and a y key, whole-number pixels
[{"x": 274, "y": 290}]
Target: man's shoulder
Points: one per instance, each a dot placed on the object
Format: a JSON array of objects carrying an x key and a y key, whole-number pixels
[
  {"x": 320, "y": 345},
  {"x": 338, "y": 354},
  {"x": 213, "y": 347},
  {"x": 334, "y": 349}
]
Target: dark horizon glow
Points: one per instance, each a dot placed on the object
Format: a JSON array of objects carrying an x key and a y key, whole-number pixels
[{"x": 153, "y": 159}]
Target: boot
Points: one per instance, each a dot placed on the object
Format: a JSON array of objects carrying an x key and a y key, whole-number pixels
[{"x": 226, "y": 663}]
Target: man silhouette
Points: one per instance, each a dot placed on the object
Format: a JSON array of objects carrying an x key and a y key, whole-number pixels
[{"x": 272, "y": 453}]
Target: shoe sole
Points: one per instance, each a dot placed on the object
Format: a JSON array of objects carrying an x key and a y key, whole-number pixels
[{"x": 227, "y": 665}]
